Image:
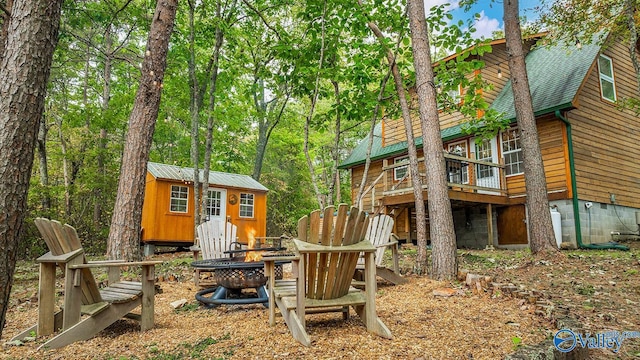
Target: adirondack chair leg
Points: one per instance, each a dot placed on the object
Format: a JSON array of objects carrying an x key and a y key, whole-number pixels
[
  {"x": 90, "y": 326},
  {"x": 57, "y": 325},
  {"x": 148, "y": 295},
  {"x": 377, "y": 326},
  {"x": 73, "y": 294},
  {"x": 294, "y": 324},
  {"x": 46, "y": 299},
  {"x": 394, "y": 252}
]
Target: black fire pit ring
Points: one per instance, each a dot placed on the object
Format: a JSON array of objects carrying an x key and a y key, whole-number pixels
[{"x": 231, "y": 276}]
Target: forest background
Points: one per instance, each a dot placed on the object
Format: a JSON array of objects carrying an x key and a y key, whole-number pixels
[{"x": 287, "y": 88}]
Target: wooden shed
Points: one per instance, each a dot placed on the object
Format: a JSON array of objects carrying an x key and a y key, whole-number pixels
[{"x": 167, "y": 213}]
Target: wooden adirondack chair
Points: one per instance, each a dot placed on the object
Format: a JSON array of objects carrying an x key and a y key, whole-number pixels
[
  {"x": 82, "y": 297},
  {"x": 214, "y": 238},
  {"x": 324, "y": 266},
  {"x": 380, "y": 236}
]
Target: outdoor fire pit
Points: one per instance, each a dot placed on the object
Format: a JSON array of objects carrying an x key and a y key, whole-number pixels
[{"x": 232, "y": 275}]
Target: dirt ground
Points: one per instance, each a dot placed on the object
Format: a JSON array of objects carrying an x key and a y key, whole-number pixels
[{"x": 600, "y": 288}]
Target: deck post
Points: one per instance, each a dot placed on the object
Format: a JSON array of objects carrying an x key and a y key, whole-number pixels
[{"x": 489, "y": 227}]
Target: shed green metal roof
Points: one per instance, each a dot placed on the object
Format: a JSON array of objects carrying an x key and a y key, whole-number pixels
[
  {"x": 555, "y": 74},
  {"x": 216, "y": 178}
]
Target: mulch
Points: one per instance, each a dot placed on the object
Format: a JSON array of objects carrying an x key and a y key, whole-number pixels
[{"x": 467, "y": 325}]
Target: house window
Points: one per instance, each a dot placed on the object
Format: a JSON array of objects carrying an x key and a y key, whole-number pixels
[
  {"x": 607, "y": 83},
  {"x": 214, "y": 203},
  {"x": 512, "y": 152},
  {"x": 458, "y": 170},
  {"x": 179, "y": 196},
  {"x": 400, "y": 171},
  {"x": 484, "y": 153},
  {"x": 246, "y": 205}
]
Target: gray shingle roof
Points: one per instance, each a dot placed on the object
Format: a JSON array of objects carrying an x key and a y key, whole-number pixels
[
  {"x": 216, "y": 178},
  {"x": 555, "y": 75}
]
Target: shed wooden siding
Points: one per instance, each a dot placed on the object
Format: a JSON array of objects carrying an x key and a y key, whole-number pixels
[
  {"x": 161, "y": 225},
  {"x": 605, "y": 139},
  {"x": 158, "y": 223}
]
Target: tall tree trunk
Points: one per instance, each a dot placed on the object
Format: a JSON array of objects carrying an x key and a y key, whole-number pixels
[
  {"x": 374, "y": 120},
  {"x": 124, "y": 237},
  {"x": 443, "y": 237},
  {"x": 540, "y": 227},
  {"x": 213, "y": 81},
  {"x": 263, "y": 123},
  {"x": 42, "y": 164},
  {"x": 630, "y": 13},
  {"x": 334, "y": 183},
  {"x": 102, "y": 139},
  {"x": 194, "y": 110},
  {"x": 32, "y": 35},
  {"x": 416, "y": 180},
  {"x": 66, "y": 176},
  {"x": 4, "y": 15},
  {"x": 314, "y": 99}
]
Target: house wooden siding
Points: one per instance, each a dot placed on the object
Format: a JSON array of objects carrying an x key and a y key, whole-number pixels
[
  {"x": 605, "y": 139},
  {"x": 160, "y": 226},
  {"x": 394, "y": 130},
  {"x": 553, "y": 146}
]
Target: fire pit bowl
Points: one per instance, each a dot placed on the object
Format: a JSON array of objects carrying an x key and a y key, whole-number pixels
[
  {"x": 235, "y": 273},
  {"x": 231, "y": 275}
]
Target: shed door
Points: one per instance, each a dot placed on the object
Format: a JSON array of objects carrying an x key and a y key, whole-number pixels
[
  {"x": 216, "y": 204},
  {"x": 512, "y": 226}
]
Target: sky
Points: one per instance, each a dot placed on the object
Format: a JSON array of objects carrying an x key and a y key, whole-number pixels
[{"x": 490, "y": 13}]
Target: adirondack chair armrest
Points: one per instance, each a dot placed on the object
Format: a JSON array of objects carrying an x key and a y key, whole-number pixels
[
  {"x": 109, "y": 263},
  {"x": 64, "y": 258},
  {"x": 305, "y": 247},
  {"x": 387, "y": 244}
]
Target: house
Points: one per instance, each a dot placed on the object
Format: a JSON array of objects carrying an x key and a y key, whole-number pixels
[
  {"x": 588, "y": 145},
  {"x": 167, "y": 213}
]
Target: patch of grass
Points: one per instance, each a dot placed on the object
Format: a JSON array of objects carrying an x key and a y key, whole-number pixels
[
  {"x": 482, "y": 261},
  {"x": 186, "y": 350},
  {"x": 586, "y": 290},
  {"x": 517, "y": 342},
  {"x": 630, "y": 272},
  {"x": 188, "y": 307},
  {"x": 409, "y": 251}
]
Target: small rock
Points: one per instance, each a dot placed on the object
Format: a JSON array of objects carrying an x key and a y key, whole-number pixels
[
  {"x": 444, "y": 292},
  {"x": 178, "y": 303},
  {"x": 14, "y": 343},
  {"x": 473, "y": 278}
]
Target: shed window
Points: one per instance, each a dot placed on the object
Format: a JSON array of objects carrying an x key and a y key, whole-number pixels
[
  {"x": 246, "y": 205},
  {"x": 607, "y": 83},
  {"x": 179, "y": 196},
  {"x": 400, "y": 171},
  {"x": 512, "y": 152}
]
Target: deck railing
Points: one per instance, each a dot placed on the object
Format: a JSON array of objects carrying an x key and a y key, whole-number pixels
[{"x": 463, "y": 174}]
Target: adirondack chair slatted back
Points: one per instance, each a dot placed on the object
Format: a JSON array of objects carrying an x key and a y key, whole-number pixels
[
  {"x": 215, "y": 237},
  {"x": 378, "y": 233},
  {"x": 329, "y": 273},
  {"x": 63, "y": 239}
]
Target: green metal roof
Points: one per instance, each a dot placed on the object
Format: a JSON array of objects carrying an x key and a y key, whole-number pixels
[{"x": 555, "y": 74}]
